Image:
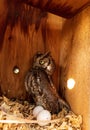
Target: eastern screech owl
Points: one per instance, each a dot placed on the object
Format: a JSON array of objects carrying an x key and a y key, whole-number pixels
[{"x": 39, "y": 84}]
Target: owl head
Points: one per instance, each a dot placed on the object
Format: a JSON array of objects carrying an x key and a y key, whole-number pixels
[{"x": 45, "y": 62}]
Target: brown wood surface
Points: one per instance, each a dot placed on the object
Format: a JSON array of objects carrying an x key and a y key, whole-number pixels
[
  {"x": 64, "y": 8},
  {"x": 75, "y": 63},
  {"x": 24, "y": 30}
]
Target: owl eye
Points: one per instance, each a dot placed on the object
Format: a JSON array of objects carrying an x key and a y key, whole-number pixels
[{"x": 41, "y": 62}]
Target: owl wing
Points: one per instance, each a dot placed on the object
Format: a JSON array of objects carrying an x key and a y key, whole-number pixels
[{"x": 33, "y": 85}]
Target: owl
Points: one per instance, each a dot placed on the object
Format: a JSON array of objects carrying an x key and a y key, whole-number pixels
[{"x": 39, "y": 84}]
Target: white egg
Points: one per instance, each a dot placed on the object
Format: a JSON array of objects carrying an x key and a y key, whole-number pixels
[
  {"x": 43, "y": 116},
  {"x": 36, "y": 110}
]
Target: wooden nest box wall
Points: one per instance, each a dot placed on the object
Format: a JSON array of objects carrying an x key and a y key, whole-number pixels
[{"x": 28, "y": 26}]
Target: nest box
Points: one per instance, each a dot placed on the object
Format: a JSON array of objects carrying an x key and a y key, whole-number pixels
[{"x": 61, "y": 27}]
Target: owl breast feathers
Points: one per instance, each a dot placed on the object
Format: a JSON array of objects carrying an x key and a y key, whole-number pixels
[{"x": 39, "y": 85}]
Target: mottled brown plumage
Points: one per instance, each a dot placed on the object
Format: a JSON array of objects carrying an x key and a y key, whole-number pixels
[{"x": 39, "y": 84}]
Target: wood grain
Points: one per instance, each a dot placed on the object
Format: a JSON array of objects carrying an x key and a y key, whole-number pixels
[
  {"x": 75, "y": 63},
  {"x": 64, "y": 8},
  {"x": 27, "y": 30},
  {"x": 24, "y": 30}
]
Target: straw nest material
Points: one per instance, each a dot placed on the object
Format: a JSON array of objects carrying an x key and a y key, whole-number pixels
[{"x": 17, "y": 115}]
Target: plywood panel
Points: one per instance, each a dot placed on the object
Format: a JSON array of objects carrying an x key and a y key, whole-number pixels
[
  {"x": 19, "y": 45},
  {"x": 24, "y": 30},
  {"x": 75, "y": 63},
  {"x": 27, "y": 30},
  {"x": 64, "y": 8}
]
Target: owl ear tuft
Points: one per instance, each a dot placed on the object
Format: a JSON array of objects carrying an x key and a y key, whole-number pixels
[
  {"x": 38, "y": 54},
  {"x": 46, "y": 54},
  {"x": 41, "y": 55}
]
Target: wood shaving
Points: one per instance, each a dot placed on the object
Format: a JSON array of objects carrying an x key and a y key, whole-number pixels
[{"x": 21, "y": 112}]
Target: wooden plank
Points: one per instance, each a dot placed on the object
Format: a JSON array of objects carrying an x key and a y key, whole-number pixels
[
  {"x": 64, "y": 8},
  {"x": 24, "y": 30},
  {"x": 75, "y": 63},
  {"x": 27, "y": 31}
]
